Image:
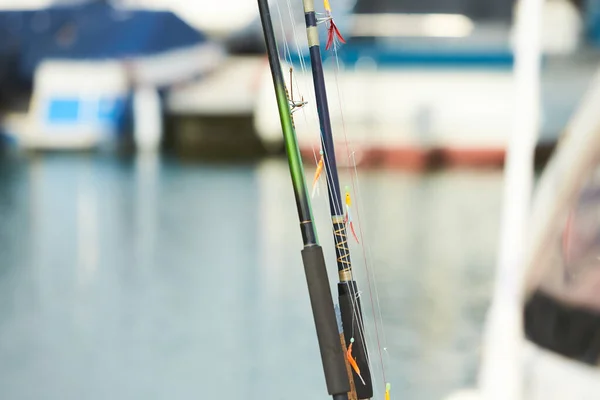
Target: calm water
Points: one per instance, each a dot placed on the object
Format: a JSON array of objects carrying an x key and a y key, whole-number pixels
[{"x": 148, "y": 279}]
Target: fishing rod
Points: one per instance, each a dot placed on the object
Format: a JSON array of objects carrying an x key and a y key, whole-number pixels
[
  {"x": 328, "y": 336},
  {"x": 348, "y": 294}
]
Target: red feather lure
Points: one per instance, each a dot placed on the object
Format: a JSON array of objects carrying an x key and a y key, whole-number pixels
[{"x": 333, "y": 34}]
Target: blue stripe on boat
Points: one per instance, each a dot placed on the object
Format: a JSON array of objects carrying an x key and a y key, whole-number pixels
[{"x": 398, "y": 58}]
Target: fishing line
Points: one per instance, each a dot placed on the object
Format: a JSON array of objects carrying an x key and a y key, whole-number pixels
[
  {"x": 366, "y": 248},
  {"x": 330, "y": 185},
  {"x": 288, "y": 57},
  {"x": 364, "y": 244},
  {"x": 368, "y": 257},
  {"x": 341, "y": 237},
  {"x": 298, "y": 49},
  {"x": 354, "y": 294},
  {"x": 287, "y": 52},
  {"x": 302, "y": 67},
  {"x": 304, "y": 73}
]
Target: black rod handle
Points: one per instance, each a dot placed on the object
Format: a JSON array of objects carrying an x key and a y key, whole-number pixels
[
  {"x": 321, "y": 302},
  {"x": 354, "y": 329}
]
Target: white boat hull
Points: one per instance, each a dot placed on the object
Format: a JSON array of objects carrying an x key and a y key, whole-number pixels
[{"x": 406, "y": 116}]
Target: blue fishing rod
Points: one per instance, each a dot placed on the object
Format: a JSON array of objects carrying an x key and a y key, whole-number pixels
[{"x": 349, "y": 301}]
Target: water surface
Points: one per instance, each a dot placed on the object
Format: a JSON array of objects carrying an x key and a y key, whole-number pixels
[{"x": 153, "y": 279}]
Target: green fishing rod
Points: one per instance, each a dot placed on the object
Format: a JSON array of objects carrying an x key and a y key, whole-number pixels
[
  {"x": 330, "y": 346},
  {"x": 348, "y": 294}
]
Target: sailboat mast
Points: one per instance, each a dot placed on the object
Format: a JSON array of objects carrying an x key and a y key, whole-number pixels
[
  {"x": 330, "y": 346},
  {"x": 349, "y": 300}
]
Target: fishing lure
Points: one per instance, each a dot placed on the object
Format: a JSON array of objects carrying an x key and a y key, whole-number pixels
[
  {"x": 333, "y": 33},
  {"x": 387, "y": 391},
  {"x": 352, "y": 361},
  {"x": 348, "y": 216},
  {"x": 318, "y": 172}
]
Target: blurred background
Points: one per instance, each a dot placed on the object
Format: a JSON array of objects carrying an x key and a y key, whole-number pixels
[{"x": 148, "y": 236}]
